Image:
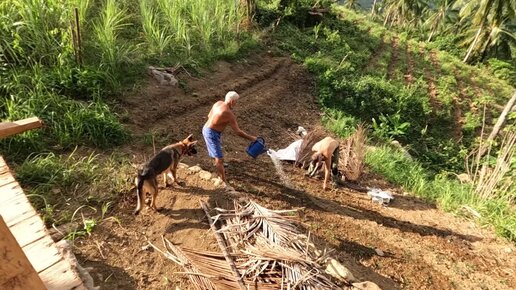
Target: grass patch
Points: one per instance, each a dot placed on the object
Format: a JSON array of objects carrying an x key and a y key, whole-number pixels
[
  {"x": 58, "y": 185},
  {"x": 448, "y": 194},
  {"x": 337, "y": 51}
]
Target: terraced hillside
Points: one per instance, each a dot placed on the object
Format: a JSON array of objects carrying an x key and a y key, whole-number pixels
[{"x": 422, "y": 97}]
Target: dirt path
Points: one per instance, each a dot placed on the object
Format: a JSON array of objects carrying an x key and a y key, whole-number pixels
[
  {"x": 423, "y": 248},
  {"x": 375, "y": 56},
  {"x": 409, "y": 75},
  {"x": 430, "y": 79},
  {"x": 457, "y": 110},
  {"x": 391, "y": 68}
]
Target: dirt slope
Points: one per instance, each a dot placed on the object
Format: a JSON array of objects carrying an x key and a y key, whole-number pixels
[{"x": 423, "y": 248}]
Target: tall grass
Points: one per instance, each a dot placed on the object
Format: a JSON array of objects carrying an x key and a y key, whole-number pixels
[
  {"x": 157, "y": 35},
  {"x": 35, "y": 31},
  {"x": 107, "y": 28},
  {"x": 202, "y": 25},
  {"x": 67, "y": 122}
]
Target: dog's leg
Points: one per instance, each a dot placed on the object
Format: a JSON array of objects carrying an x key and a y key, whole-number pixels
[
  {"x": 154, "y": 194},
  {"x": 327, "y": 172},
  {"x": 171, "y": 176},
  {"x": 140, "y": 195},
  {"x": 174, "y": 171},
  {"x": 166, "y": 175}
]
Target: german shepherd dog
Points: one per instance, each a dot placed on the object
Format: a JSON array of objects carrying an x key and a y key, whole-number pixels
[{"x": 165, "y": 161}]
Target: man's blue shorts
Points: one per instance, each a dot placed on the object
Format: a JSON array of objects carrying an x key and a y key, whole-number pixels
[{"x": 213, "y": 142}]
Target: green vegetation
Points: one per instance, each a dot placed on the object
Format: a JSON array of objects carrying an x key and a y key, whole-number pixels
[
  {"x": 479, "y": 28},
  {"x": 69, "y": 71},
  {"x": 432, "y": 116},
  {"x": 58, "y": 185},
  {"x": 381, "y": 75},
  {"x": 449, "y": 194}
]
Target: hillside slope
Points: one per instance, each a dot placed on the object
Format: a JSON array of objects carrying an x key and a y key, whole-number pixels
[{"x": 423, "y": 248}]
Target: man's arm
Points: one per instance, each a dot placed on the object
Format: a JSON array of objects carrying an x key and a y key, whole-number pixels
[
  {"x": 238, "y": 131},
  {"x": 327, "y": 170}
]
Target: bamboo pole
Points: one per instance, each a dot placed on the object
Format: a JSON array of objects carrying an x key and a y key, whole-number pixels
[{"x": 223, "y": 247}]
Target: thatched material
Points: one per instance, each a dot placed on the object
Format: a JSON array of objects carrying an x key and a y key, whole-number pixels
[
  {"x": 200, "y": 278},
  {"x": 305, "y": 151},
  {"x": 268, "y": 251},
  {"x": 224, "y": 248},
  {"x": 352, "y": 152}
]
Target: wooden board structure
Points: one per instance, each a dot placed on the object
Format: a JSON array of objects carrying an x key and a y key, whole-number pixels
[
  {"x": 33, "y": 239},
  {"x": 16, "y": 127}
]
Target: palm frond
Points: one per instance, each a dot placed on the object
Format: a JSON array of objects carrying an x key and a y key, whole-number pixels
[{"x": 268, "y": 249}]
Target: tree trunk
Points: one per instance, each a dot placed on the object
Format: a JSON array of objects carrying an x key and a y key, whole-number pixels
[
  {"x": 473, "y": 43},
  {"x": 498, "y": 124}
]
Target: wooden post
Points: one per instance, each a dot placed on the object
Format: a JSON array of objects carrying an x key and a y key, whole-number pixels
[
  {"x": 16, "y": 272},
  {"x": 16, "y": 127}
]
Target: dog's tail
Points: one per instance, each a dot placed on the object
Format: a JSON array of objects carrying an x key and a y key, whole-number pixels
[{"x": 140, "y": 195}]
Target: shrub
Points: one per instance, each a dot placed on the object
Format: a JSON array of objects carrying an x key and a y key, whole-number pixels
[{"x": 503, "y": 70}]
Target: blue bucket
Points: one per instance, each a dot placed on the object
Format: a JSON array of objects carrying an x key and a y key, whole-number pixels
[{"x": 256, "y": 147}]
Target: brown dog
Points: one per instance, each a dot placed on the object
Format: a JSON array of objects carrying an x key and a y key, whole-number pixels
[{"x": 165, "y": 161}]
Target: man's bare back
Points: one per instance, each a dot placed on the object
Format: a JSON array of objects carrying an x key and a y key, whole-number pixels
[{"x": 220, "y": 116}]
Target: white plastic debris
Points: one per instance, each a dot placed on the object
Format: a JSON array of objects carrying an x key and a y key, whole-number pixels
[{"x": 379, "y": 196}]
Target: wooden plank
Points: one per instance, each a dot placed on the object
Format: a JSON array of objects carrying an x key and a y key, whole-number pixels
[
  {"x": 10, "y": 191},
  {"x": 61, "y": 276},
  {"x": 16, "y": 271},
  {"x": 42, "y": 253},
  {"x": 39, "y": 250},
  {"x": 16, "y": 127},
  {"x": 29, "y": 230},
  {"x": 6, "y": 177},
  {"x": 3, "y": 166},
  {"x": 16, "y": 206},
  {"x": 17, "y": 210}
]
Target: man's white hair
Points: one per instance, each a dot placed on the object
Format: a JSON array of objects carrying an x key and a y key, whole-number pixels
[{"x": 232, "y": 96}]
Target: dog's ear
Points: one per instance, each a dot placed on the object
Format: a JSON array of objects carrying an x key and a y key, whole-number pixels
[
  {"x": 193, "y": 143},
  {"x": 190, "y": 138}
]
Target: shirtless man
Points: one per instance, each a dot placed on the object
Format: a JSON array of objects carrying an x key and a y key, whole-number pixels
[
  {"x": 219, "y": 117},
  {"x": 326, "y": 152}
]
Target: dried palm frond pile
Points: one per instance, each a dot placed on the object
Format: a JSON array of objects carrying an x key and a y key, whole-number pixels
[
  {"x": 261, "y": 249},
  {"x": 305, "y": 150},
  {"x": 352, "y": 153}
]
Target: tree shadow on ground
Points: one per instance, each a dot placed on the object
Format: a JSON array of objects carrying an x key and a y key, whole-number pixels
[{"x": 301, "y": 198}]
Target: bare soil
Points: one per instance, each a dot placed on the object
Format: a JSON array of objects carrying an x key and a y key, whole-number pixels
[
  {"x": 375, "y": 56},
  {"x": 409, "y": 78},
  {"x": 432, "y": 88},
  {"x": 391, "y": 68},
  {"x": 423, "y": 247}
]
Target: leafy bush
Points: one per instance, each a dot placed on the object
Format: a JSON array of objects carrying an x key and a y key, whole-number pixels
[{"x": 503, "y": 70}]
